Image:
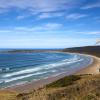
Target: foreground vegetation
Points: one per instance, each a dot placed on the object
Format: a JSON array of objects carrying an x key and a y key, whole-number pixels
[
  {"x": 68, "y": 80},
  {"x": 74, "y": 87}
]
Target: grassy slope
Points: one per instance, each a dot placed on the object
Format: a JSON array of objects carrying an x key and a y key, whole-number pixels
[
  {"x": 84, "y": 87},
  {"x": 7, "y": 95}
]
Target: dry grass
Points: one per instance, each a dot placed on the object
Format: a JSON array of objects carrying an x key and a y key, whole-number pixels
[
  {"x": 87, "y": 87},
  {"x": 7, "y": 95}
]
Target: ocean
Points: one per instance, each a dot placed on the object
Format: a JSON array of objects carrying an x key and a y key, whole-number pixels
[{"x": 20, "y": 68}]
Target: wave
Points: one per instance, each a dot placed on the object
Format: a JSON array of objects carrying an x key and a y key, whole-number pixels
[
  {"x": 22, "y": 77},
  {"x": 4, "y": 69},
  {"x": 63, "y": 63},
  {"x": 39, "y": 68},
  {"x": 0, "y": 69},
  {"x": 22, "y": 72}
]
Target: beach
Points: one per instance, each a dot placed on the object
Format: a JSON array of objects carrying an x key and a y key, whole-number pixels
[{"x": 93, "y": 68}]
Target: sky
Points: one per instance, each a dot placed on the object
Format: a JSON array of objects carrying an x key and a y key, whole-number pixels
[{"x": 49, "y": 23}]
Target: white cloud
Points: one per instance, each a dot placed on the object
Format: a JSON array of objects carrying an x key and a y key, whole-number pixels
[
  {"x": 39, "y": 5},
  {"x": 41, "y": 28},
  {"x": 50, "y": 15},
  {"x": 21, "y": 17},
  {"x": 91, "y": 5},
  {"x": 75, "y": 16},
  {"x": 89, "y": 32},
  {"x": 25, "y": 15},
  {"x": 52, "y": 26},
  {"x": 94, "y": 33},
  {"x": 44, "y": 27}
]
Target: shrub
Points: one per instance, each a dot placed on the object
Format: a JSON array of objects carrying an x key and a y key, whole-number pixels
[{"x": 68, "y": 80}]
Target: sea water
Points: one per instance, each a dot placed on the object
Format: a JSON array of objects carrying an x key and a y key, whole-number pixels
[{"x": 20, "y": 68}]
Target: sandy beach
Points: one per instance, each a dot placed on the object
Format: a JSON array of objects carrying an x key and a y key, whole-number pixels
[{"x": 91, "y": 69}]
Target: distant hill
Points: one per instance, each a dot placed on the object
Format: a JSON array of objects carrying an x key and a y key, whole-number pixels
[
  {"x": 28, "y": 50},
  {"x": 94, "y": 50}
]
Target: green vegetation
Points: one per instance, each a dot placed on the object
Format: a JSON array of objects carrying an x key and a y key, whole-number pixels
[{"x": 68, "y": 80}]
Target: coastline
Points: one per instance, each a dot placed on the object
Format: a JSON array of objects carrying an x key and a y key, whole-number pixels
[{"x": 90, "y": 69}]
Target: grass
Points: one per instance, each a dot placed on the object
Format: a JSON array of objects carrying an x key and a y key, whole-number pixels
[
  {"x": 68, "y": 80},
  {"x": 74, "y": 87},
  {"x": 85, "y": 87},
  {"x": 7, "y": 95}
]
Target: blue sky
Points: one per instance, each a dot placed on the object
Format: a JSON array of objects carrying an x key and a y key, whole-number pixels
[{"x": 49, "y": 23}]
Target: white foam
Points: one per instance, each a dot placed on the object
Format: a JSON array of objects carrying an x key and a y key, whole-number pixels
[
  {"x": 21, "y": 77},
  {"x": 0, "y": 69},
  {"x": 53, "y": 71},
  {"x": 62, "y": 63},
  {"x": 76, "y": 57},
  {"x": 22, "y": 72},
  {"x": 75, "y": 61},
  {"x": 7, "y": 69},
  {"x": 1, "y": 81}
]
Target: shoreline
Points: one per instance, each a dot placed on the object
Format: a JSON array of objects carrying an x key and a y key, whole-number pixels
[{"x": 90, "y": 69}]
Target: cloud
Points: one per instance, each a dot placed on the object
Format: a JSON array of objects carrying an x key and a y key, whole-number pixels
[
  {"x": 44, "y": 27},
  {"x": 21, "y": 17},
  {"x": 75, "y": 16},
  {"x": 52, "y": 26},
  {"x": 91, "y": 5},
  {"x": 41, "y": 28},
  {"x": 50, "y": 15},
  {"x": 39, "y": 5},
  {"x": 89, "y": 32},
  {"x": 94, "y": 33},
  {"x": 25, "y": 14}
]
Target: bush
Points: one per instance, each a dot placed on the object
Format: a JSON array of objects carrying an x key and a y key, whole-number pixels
[{"x": 68, "y": 80}]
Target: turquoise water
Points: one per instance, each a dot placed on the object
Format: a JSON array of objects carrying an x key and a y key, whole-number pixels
[{"x": 19, "y": 68}]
